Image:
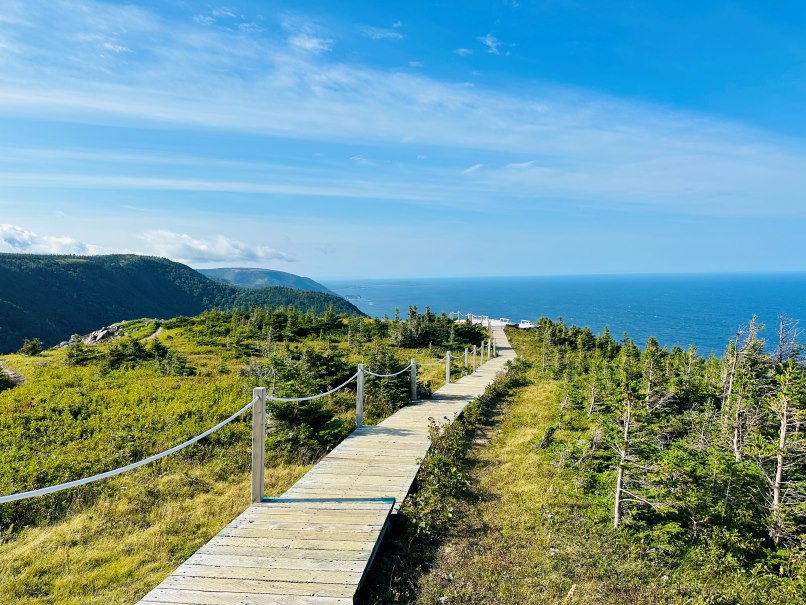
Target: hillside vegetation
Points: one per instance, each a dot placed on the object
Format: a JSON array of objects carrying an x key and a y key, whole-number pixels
[
  {"x": 627, "y": 475},
  {"x": 261, "y": 278},
  {"x": 53, "y": 297},
  {"x": 86, "y": 409}
]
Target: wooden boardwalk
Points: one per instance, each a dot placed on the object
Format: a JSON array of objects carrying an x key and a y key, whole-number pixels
[{"x": 315, "y": 543}]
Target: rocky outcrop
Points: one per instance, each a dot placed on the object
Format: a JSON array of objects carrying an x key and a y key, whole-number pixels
[{"x": 108, "y": 333}]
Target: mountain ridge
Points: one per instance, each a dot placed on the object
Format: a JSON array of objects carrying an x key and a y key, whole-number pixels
[
  {"x": 51, "y": 297},
  {"x": 249, "y": 277}
]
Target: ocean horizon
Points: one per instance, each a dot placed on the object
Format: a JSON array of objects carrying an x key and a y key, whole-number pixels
[{"x": 704, "y": 309}]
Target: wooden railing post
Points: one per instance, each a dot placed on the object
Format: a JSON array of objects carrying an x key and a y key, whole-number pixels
[
  {"x": 466, "y": 366},
  {"x": 495, "y": 349},
  {"x": 448, "y": 367},
  {"x": 414, "y": 380},
  {"x": 359, "y": 398},
  {"x": 474, "y": 358},
  {"x": 258, "y": 444},
  {"x": 483, "y": 346},
  {"x": 489, "y": 348}
]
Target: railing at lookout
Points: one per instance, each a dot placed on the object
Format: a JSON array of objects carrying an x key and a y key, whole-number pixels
[{"x": 472, "y": 358}]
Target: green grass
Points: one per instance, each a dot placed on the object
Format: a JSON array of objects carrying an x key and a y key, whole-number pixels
[{"x": 124, "y": 544}]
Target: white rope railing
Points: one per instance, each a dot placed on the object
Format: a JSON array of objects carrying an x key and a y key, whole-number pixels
[
  {"x": 62, "y": 486},
  {"x": 258, "y": 437},
  {"x": 312, "y": 397},
  {"x": 436, "y": 363},
  {"x": 371, "y": 373}
]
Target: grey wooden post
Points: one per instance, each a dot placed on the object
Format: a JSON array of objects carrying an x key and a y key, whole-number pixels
[
  {"x": 414, "y": 380},
  {"x": 448, "y": 367},
  {"x": 359, "y": 398},
  {"x": 495, "y": 349},
  {"x": 483, "y": 347},
  {"x": 474, "y": 358},
  {"x": 258, "y": 443},
  {"x": 466, "y": 366},
  {"x": 489, "y": 348}
]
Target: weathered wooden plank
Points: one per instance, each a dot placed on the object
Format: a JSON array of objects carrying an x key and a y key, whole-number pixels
[
  {"x": 307, "y": 589},
  {"x": 334, "y": 563},
  {"x": 336, "y": 536},
  {"x": 319, "y": 554},
  {"x": 163, "y": 596},
  {"x": 296, "y": 526},
  {"x": 232, "y": 572},
  {"x": 292, "y": 543},
  {"x": 368, "y": 518}
]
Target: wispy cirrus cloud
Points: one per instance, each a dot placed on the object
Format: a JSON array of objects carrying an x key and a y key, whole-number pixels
[
  {"x": 184, "y": 248},
  {"x": 14, "y": 238},
  {"x": 379, "y": 33},
  {"x": 306, "y": 36},
  {"x": 492, "y": 43}
]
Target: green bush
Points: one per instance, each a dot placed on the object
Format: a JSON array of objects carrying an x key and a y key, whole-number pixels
[{"x": 31, "y": 347}]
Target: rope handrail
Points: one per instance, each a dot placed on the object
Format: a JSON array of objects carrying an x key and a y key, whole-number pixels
[
  {"x": 312, "y": 397},
  {"x": 436, "y": 363},
  {"x": 62, "y": 486},
  {"x": 371, "y": 373}
]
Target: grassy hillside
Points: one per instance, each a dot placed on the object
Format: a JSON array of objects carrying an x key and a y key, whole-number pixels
[
  {"x": 53, "y": 297},
  {"x": 87, "y": 409},
  {"x": 262, "y": 278}
]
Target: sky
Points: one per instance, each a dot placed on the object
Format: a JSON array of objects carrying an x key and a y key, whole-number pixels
[{"x": 408, "y": 139}]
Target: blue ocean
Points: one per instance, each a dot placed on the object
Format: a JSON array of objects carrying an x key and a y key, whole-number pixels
[{"x": 704, "y": 310}]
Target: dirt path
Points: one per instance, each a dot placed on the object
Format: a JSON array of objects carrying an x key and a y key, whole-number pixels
[
  {"x": 156, "y": 333},
  {"x": 16, "y": 379}
]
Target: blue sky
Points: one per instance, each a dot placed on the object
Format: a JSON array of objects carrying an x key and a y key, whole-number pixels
[{"x": 369, "y": 139}]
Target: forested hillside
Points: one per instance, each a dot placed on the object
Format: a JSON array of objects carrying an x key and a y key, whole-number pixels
[
  {"x": 262, "y": 278},
  {"x": 627, "y": 474},
  {"x": 53, "y": 297},
  {"x": 85, "y": 409}
]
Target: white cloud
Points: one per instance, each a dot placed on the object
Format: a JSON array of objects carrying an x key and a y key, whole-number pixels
[
  {"x": 463, "y": 52},
  {"x": 528, "y": 164},
  {"x": 378, "y": 33},
  {"x": 306, "y": 35},
  {"x": 492, "y": 43},
  {"x": 360, "y": 159},
  {"x": 116, "y": 48},
  {"x": 184, "y": 248},
  {"x": 14, "y": 238},
  {"x": 310, "y": 43},
  {"x": 397, "y": 24},
  {"x": 473, "y": 168},
  {"x": 224, "y": 12}
]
